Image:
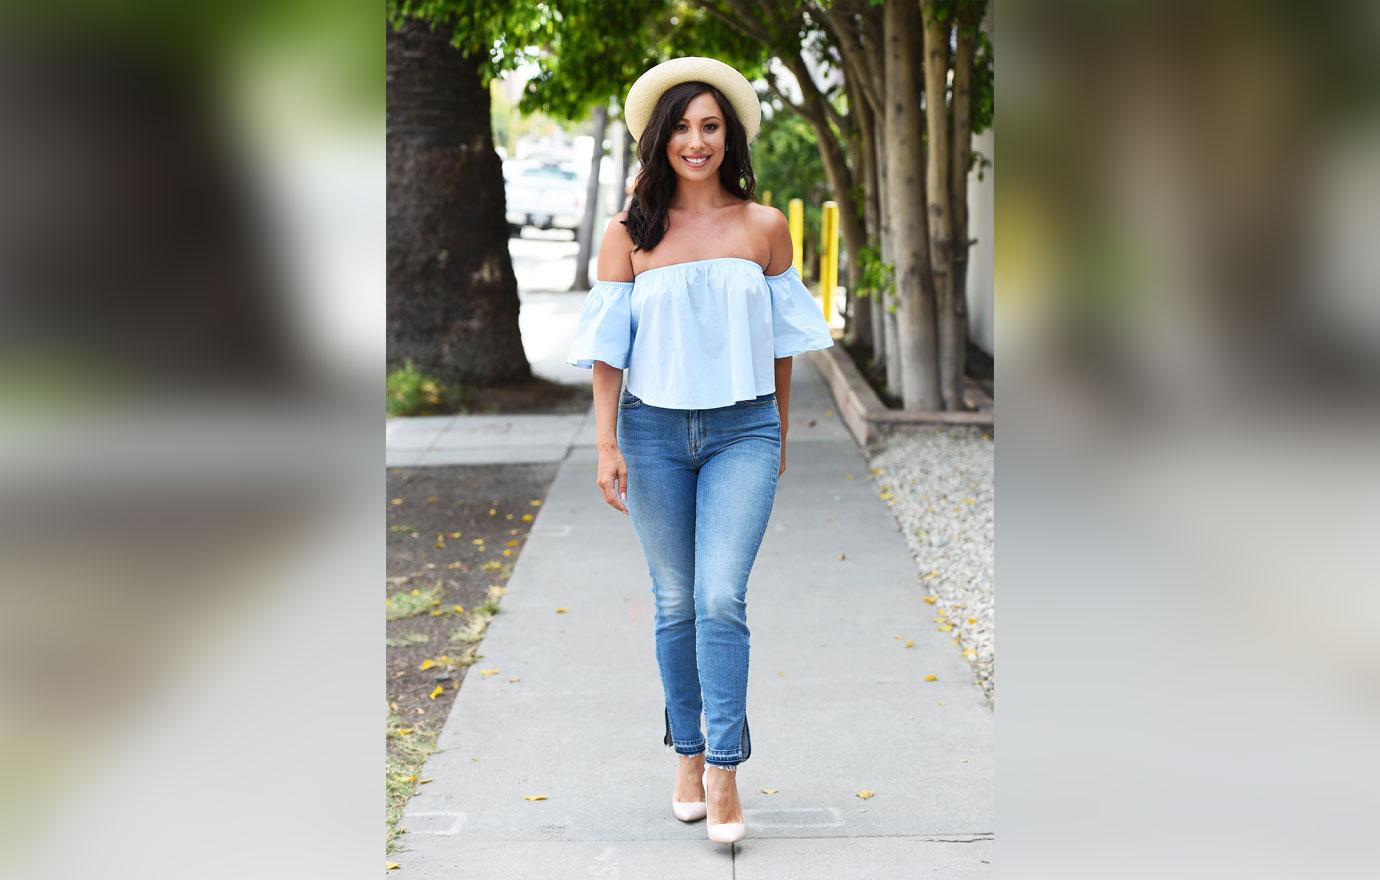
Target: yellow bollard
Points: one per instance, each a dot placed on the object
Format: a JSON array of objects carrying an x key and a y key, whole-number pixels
[
  {"x": 795, "y": 213},
  {"x": 829, "y": 264},
  {"x": 766, "y": 198}
]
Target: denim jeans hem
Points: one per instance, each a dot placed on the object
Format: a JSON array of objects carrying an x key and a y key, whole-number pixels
[{"x": 694, "y": 748}]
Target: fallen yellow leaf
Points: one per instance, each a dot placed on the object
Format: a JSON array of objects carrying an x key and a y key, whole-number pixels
[
  {"x": 493, "y": 671},
  {"x": 403, "y": 731},
  {"x": 931, "y": 677},
  {"x": 874, "y": 471},
  {"x": 427, "y": 664},
  {"x": 910, "y": 643},
  {"x": 946, "y": 627},
  {"x": 512, "y": 543},
  {"x": 562, "y": 610},
  {"x": 493, "y": 511},
  {"x": 535, "y": 797},
  {"x": 437, "y": 612},
  {"x": 507, "y": 516},
  {"x": 970, "y": 652},
  {"x": 535, "y": 502},
  {"x": 393, "y": 866},
  {"x": 456, "y": 534},
  {"x": 972, "y": 620},
  {"x": 865, "y": 793},
  {"x": 479, "y": 542},
  {"x": 929, "y": 600},
  {"x": 458, "y": 609},
  {"x": 507, "y": 553},
  {"x": 886, "y": 496},
  {"x": 395, "y": 502},
  {"x": 767, "y": 790},
  {"x": 423, "y": 781},
  {"x": 514, "y": 679},
  {"x": 436, "y": 693},
  {"x": 527, "y": 517}
]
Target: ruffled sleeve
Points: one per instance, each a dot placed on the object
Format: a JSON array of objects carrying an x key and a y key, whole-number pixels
[
  {"x": 797, "y": 321},
  {"x": 605, "y": 330}
]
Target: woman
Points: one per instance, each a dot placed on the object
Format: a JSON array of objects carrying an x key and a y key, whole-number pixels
[{"x": 699, "y": 300}]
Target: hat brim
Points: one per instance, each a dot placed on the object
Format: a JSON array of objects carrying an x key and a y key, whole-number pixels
[{"x": 642, "y": 97}]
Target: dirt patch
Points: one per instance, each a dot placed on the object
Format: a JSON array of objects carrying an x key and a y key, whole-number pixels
[
  {"x": 454, "y": 534},
  {"x": 535, "y": 395},
  {"x": 978, "y": 371}
]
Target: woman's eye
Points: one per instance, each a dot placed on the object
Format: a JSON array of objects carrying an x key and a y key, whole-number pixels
[{"x": 712, "y": 125}]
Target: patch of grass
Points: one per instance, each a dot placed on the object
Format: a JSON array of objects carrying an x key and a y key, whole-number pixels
[
  {"x": 407, "y": 640},
  {"x": 414, "y": 393},
  {"x": 410, "y": 603},
  {"x": 488, "y": 609},
  {"x": 473, "y": 631},
  {"x": 408, "y": 749}
]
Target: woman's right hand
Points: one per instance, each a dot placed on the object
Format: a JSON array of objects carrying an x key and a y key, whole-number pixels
[{"x": 613, "y": 477}]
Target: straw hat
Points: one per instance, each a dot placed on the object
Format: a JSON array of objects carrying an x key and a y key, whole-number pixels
[{"x": 644, "y": 94}]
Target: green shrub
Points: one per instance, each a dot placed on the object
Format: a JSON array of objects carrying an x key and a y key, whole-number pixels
[{"x": 413, "y": 393}]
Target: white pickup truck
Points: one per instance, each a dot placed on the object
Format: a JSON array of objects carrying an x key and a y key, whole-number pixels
[{"x": 547, "y": 196}]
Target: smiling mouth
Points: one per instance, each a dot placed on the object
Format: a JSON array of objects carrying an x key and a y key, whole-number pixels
[{"x": 697, "y": 162}]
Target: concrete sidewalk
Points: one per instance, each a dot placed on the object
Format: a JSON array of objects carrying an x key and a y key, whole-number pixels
[{"x": 835, "y": 700}]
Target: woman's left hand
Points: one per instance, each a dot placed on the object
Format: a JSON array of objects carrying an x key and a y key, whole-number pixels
[{"x": 782, "y": 470}]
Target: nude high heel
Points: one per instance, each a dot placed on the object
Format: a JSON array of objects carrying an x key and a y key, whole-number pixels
[
  {"x": 721, "y": 832},
  {"x": 689, "y": 811}
]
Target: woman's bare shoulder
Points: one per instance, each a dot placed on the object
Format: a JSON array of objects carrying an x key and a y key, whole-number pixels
[
  {"x": 773, "y": 232},
  {"x": 615, "y": 251}
]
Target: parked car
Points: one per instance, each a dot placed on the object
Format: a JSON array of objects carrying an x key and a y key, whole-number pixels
[{"x": 546, "y": 196}]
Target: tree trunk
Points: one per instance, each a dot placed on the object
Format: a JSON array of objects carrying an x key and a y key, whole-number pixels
[
  {"x": 939, "y": 191},
  {"x": 585, "y": 235},
  {"x": 905, "y": 167},
  {"x": 886, "y": 353},
  {"x": 860, "y": 327},
  {"x": 452, "y": 294},
  {"x": 629, "y": 154},
  {"x": 962, "y": 153},
  {"x": 836, "y": 168}
]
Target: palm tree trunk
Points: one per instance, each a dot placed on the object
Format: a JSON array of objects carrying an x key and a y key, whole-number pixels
[
  {"x": 905, "y": 187},
  {"x": 962, "y": 155},
  {"x": 941, "y": 217}
]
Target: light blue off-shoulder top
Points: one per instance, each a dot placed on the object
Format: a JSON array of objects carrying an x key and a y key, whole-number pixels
[{"x": 700, "y": 334}]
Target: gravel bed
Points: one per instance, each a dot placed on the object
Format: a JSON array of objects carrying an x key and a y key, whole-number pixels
[{"x": 940, "y": 483}]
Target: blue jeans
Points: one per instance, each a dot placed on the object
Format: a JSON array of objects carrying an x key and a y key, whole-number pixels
[{"x": 700, "y": 488}]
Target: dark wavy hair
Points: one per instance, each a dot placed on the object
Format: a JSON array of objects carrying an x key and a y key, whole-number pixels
[{"x": 656, "y": 181}]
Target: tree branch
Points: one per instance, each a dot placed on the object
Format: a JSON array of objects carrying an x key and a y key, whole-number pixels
[
  {"x": 745, "y": 26},
  {"x": 838, "y": 21}
]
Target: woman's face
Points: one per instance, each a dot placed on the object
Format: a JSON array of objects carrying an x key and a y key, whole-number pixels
[{"x": 696, "y": 147}]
